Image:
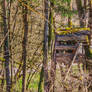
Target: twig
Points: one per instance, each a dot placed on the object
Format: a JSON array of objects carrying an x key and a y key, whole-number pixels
[
  {"x": 4, "y": 38},
  {"x": 72, "y": 61}
]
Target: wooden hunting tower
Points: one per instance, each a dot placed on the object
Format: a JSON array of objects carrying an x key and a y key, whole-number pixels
[{"x": 66, "y": 46}]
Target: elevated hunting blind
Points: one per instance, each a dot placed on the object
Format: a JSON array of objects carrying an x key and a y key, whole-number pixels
[{"x": 66, "y": 44}]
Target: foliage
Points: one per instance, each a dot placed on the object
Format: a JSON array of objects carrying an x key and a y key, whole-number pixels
[{"x": 63, "y": 6}]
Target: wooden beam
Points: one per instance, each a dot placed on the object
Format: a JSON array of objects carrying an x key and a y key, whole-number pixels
[
  {"x": 64, "y": 55},
  {"x": 80, "y": 38},
  {"x": 65, "y": 47}
]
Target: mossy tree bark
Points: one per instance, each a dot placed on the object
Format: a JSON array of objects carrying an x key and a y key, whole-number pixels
[
  {"x": 45, "y": 54},
  {"x": 51, "y": 45}
]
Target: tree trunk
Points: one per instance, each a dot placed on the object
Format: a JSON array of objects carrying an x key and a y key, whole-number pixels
[
  {"x": 24, "y": 44},
  {"x": 90, "y": 24},
  {"x": 80, "y": 12},
  {"x": 89, "y": 62},
  {"x": 45, "y": 66},
  {"x": 69, "y": 16},
  {"x": 6, "y": 49},
  {"x": 51, "y": 45},
  {"x": 86, "y": 13},
  {"x": 40, "y": 81},
  {"x": 10, "y": 49},
  {"x": 53, "y": 75}
]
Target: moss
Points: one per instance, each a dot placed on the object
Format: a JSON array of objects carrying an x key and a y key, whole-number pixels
[
  {"x": 2, "y": 59},
  {"x": 88, "y": 52}
]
